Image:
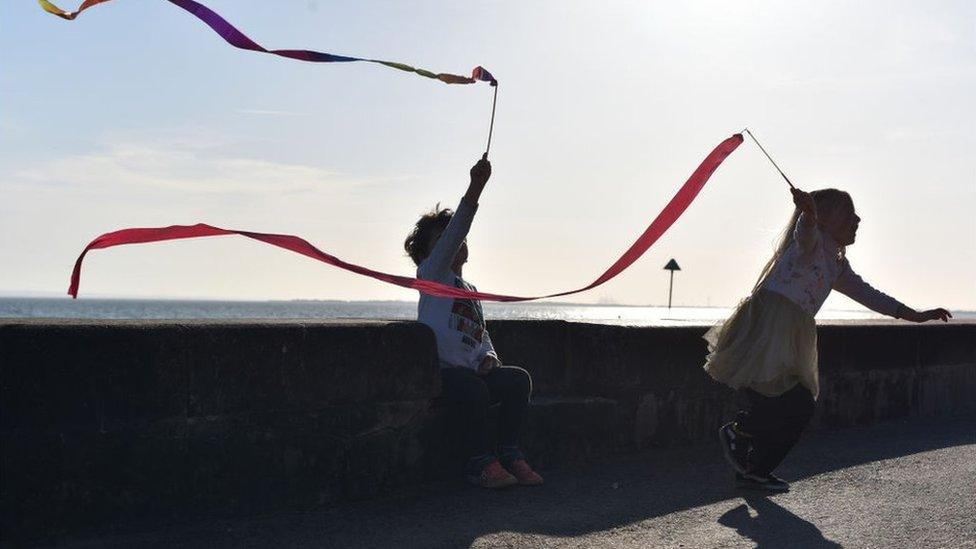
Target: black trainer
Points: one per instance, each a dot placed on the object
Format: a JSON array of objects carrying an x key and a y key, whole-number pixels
[
  {"x": 768, "y": 483},
  {"x": 735, "y": 447}
]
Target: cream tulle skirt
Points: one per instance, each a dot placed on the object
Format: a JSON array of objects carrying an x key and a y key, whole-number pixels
[{"x": 769, "y": 344}]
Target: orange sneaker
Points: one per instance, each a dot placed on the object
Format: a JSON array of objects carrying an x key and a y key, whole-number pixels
[
  {"x": 493, "y": 476},
  {"x": 524, "y": 474}
]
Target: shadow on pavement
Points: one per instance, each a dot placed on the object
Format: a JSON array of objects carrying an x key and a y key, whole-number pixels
[
  {"x": 575, "y": 503},
  {"x": 773, "y": 525}
]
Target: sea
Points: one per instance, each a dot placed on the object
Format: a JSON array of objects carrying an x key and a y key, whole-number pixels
[{"x": 89, "y": 308}]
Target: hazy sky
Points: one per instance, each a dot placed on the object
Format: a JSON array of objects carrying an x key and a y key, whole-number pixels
[{"x": 137, "y": 115}]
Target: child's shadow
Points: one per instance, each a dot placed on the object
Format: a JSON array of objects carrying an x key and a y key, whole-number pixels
[{"x": 773, "y": 526}]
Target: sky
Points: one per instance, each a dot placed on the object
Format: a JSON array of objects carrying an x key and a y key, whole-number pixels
[{"x": 137, "y": 115}]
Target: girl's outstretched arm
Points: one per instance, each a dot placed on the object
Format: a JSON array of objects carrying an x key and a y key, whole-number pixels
[
  {"x": 912, "y": 315},
  {"x": 853, "y": 286}
]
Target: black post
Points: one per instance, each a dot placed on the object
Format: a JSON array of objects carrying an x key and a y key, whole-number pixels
[
  {"x": 670, "y": 288},
  {"x": 671, "y": 266}
]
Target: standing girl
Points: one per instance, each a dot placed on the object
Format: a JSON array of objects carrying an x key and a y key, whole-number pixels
[{"x": 767, "y": 349}]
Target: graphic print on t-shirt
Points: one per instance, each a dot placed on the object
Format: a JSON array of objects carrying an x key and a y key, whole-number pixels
[{"x": 467, "y": 317}]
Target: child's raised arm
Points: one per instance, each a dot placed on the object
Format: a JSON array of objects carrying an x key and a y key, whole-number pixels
[
  {"x": 480, "y": 173},
  {"x": 804, "y": 201},
  {"x": 441, "y": 258},
  {"x": 805, "y": 233}
]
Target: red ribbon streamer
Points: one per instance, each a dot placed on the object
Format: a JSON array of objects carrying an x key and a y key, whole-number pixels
[{"x": 678, "y": 204}]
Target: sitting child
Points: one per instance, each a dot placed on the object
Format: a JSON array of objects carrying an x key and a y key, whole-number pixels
[{"x": 473, "y": 378}]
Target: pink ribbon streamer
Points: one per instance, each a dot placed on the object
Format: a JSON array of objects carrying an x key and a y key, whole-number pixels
[{"x": 678, "y": 204}]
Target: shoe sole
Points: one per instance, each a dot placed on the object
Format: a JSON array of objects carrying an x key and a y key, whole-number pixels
[
  {"x": 751, "y": 483},
  {"x": 728, "y": 453}
]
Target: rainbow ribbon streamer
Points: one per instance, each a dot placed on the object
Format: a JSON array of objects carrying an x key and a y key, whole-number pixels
[{"x": 238, "y": 39}]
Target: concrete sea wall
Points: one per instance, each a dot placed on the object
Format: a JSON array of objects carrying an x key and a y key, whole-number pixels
[{"x": 110, "y": 422}]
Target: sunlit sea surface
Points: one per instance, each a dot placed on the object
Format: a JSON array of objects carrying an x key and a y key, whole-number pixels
[{"x": 14, "y": 307}]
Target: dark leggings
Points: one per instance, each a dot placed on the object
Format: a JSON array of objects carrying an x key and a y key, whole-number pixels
[
  {"x": 774, "y": 423},
  {"x": 468, "y": 396}
]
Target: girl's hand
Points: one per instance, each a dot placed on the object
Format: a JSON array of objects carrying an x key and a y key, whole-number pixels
[
  {"x": 923, "y": 316},
  {"x": 937, "y": 314},
  {"x": 804, "y": 202},
  {"x": 480, "y": 173},
  {"x": 489, "y": 363}
]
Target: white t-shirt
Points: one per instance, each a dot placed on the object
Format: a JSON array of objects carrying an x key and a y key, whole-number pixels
[{"x": 458, "y": 324}]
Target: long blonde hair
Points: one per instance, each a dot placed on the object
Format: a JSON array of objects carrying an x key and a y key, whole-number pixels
[{"x": 830, "y": 203}]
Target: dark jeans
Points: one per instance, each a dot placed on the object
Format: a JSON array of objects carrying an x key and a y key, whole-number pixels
[
  {"x": 468, "y": 396},
  {"x": 774, "y": 423}
]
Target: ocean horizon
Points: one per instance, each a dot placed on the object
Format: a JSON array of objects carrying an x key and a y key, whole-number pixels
[{"x": 130, "y": 308}]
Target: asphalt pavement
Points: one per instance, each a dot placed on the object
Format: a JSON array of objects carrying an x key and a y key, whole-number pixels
[{"x": 898, "y": 484}]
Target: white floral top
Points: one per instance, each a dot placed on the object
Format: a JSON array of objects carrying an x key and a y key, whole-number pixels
[{"x": 811, "y": 267}]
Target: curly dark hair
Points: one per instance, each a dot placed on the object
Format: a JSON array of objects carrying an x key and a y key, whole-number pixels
[{"x": 430, "y": 224}]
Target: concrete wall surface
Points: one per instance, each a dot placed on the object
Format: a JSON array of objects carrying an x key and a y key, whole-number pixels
[{"x": 108, "y": 422}]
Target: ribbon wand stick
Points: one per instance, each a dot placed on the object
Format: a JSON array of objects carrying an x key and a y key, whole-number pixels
[
  {"x": 790, "y": 183},
  {"x": 491, "y": 125}
]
